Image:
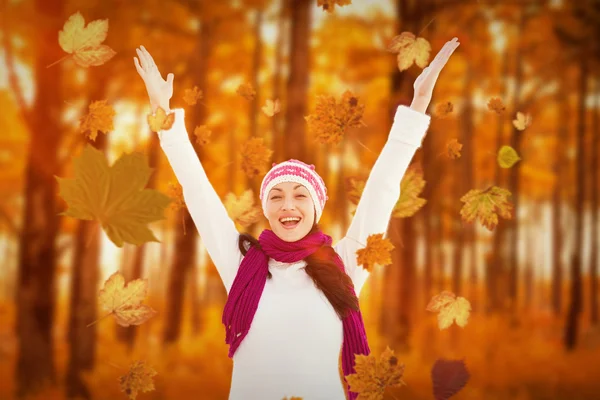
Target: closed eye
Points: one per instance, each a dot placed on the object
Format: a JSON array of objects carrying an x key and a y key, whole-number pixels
[{"x": 277, "y": 197}]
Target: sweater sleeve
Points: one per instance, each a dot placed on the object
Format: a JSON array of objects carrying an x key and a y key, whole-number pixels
[
  {"x": 210, "y": 216},
  {"x": 382, "y": 189}
]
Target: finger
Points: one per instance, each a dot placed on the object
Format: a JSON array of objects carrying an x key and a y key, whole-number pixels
[
  {"x": 142, "y": 59},
  {"x": 138, "y": 66},
  {"x": 149, "y": 58}
]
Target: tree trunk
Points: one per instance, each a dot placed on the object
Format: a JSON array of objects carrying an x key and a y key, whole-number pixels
[
  {"x": 35, "y": 296},
  {"x": 297, "y": 84},
  {"x": 575, "y": 306},
  {"x": 278, "y": 136},
  {"x": 594, "y": 206}
]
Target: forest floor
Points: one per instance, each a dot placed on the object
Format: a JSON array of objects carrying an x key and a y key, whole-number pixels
[{"x": 522, "y": 360}]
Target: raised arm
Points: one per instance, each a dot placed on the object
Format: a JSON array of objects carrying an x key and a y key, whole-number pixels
[{"x": 216, "y": 228}]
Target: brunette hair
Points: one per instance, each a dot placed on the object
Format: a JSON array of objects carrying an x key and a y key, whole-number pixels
[{"x": 325, "y": 273}]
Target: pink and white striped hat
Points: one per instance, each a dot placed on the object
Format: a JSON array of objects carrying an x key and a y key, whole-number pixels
[{"x": 295, "y": 171}]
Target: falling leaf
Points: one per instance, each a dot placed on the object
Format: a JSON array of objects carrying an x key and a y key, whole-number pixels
[
  {"x": 331, "y": 120},
  {"x": 246, "y": 91},
  {"x": 442, "y": 110},
  {"x": 410, "y": 49},
  {"x": 373, "y": 376},
  {"x": 202, "y": 134},
  {"x": 98, "y": 119},
  {"x": 486, "y": 205},
  {"x": 255, "y": 157},
  {"x": 329, "y": 5},
  {"x": 507, "y": 157},
  {"x": 450, "y": 308},
  {"x": 377, "y": 251},
  {"x": 522, "y": 121},
  {"x": 84, "y": 42},
  {"x": 191, "y": 96},
  {"x": 160, "y": 121},
  {"x": 495, "y": 104},
  {"x": 453, "y": 148},
  {"x": 411, "y": 186},
  {"x": 114, "y": 196},
  {"x": 242, "y": 210},
  {"x": 176, "y": 194},
  {"x": 448, "y": 378},
  {"x": 125, "y": 302},
  {"x": 138, "y": 379},
  {"x": 271, "y": 108},
  {"x": 354, "y": 188}
]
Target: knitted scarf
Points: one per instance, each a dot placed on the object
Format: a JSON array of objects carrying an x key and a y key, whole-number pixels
[{"x": 249, "y": 283}]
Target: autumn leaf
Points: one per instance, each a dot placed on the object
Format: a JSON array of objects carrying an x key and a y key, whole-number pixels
[
  {"x": 410, "y": 50},
  {"x": 329, "y": 5},
  {"x": 450, "y": 308},
  {"x": 507, "y": 157},
  {"x": 271, "y": 108},
  {"x": 191, "y": 96},
  {"x": 84, "y": 42},
  {"x": 160, "y": 120},
  {"x": 411, "y": 186},
  {"x": 242, "y": 209},
  {"x": 495, "y": 104},
  {"x": 442, "y": 110},
  {"x": 255, "y": 156},
  {"x": 486, "y": 205},
  {"x": 448, "y": 378},
  {"x": 331, "y": 120},
  {"x": 176, "y": 194},
  {"x": 114, "y": 196},
  {"x": 125, "y": 302},
  {"x": 246, "y": 91},
  {"x": 374, "y": 375},
  {"x": 377, "y": 251},
  {"x": 138, "y": 379},
  {"x": 453, "y": 148},
  {"x": 98, "y": 119},
  {"x": 522, "y": 121},
  {"x": 202, "y": 134},
  {"x": 354, "y": 188}
]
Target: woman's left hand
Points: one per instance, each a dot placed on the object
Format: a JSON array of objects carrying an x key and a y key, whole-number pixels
[{"x": 425, "y": 82}]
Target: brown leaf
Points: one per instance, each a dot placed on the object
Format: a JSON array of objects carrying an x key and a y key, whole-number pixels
[
  {"x": 138, "y": 379},
  {"x": 176, "y": 193},
  {"x": 442, "y": 110},
  {"x": 453, "y": 148},
  {"x": 409, "y": 202},
  {"x": 448, "y": 378},
  {"x": 191, "y": 96},
  {"x": 495, "y": 104},
  {"x": 255, "y": 157},
  {"x": 329, "y": 5},
  {"x": 246, "y": 91}
]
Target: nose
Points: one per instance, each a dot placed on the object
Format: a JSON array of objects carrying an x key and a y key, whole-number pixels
[{"x": 288, "y": 203}]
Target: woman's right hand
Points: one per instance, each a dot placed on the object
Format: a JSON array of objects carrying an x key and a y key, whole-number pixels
[{"x": 159, "y": 90}]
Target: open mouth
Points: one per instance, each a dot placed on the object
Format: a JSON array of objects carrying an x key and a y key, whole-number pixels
[{"x": 290, "y": 223}]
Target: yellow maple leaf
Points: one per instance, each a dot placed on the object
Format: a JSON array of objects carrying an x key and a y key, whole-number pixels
[
  {"x": 377, "y": 251},
  {"x": 522, "y": 121},
  {"x": 411, "y": 186},
  {"x": 114, "y": 196},
  {"x": 450, "y": 309},
  {"x": 202, "y": 134},
  {"x": 442, "y": 110},
  {"x": 453, "y": 148},
  {"x": 246, "y": 91},
  {"x": 354, "y": 188},
  {"x": 373, "y": 376},
  {"x": 486, "y": 205},
  {"x": 191, "y": 96},
  {"x": 160, "y": 120},
  {"x": 138, "y": 379},
  {"x": 98, "y": 119},
  {"x": 507, "y": 157},
  {"x": 410, "y": 50},
  {"x": 331, "y": 120},
  {"x": 84, "y": 42},
  {"x": 271, "y": 108},
  {"x": 495, "y": 104},
  {"x": 176, "y": 194},
  {"x": 125, "y": 302},
  {"x": 329, "y": 5},
  {"x": 255, "y": 157},
  {"x": 242, "y": 209}
]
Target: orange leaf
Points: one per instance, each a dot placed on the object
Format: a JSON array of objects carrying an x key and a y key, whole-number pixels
[
  {"x": 495, "y": 104},
  {"x": 442, "y": 110},
  {"x": 486, "y": 205},
  {"x": 410, "y": 50},
  {"x": 272, "y": 107},
  {"x": 192, "y": 96},
  {"x": 377, "y": 251},
  {"x": 374, "y": 375},
  {"x": 450, "y": 309},
  {"x": 98, "y": 119},
  {"x": 242, "y": 209},
  {"x": 255, "y": 156},
  {"x": 453, "y": 148},
  {"x": 160, "y": 120},
  {"x": 246, "y": 91},
  {"x": 331, "y": 120},
  {"x": 138, "y": 379},
  {"x": 202, "y": 134}
]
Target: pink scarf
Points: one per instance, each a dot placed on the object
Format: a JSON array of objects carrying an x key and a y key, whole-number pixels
[{"x": 250, "y": 281}]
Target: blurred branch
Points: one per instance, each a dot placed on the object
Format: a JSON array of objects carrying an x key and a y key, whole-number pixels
[
  {"x": 10, "y": 64},
  {"x": 9, "y": 222}
]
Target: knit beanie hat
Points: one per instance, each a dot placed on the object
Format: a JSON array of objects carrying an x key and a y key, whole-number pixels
[{"x": 295, "y": 171}]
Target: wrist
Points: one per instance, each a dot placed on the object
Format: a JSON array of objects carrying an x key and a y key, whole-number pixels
[{"x": 419, "y": 104}]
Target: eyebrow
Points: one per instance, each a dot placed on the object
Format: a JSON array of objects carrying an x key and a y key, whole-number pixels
[{"x": 295, "y": 187}]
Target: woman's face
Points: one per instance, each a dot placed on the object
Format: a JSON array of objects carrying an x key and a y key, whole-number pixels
[{"x": 290, "y": 199}]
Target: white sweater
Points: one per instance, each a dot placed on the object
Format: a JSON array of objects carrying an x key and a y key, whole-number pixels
[{"x": 295, "y": 340}]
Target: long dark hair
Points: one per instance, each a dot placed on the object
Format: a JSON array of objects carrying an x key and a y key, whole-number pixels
[{"x": 334, "y": 283}]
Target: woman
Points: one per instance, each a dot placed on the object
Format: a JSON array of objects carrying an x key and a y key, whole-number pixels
[{"x": 292, "y": 298}]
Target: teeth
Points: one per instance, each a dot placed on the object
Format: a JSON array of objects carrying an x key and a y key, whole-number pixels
[{"x": 290, "y": 219}]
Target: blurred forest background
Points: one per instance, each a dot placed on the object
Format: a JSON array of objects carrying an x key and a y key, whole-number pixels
[{"x": 532, "y": 281}]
